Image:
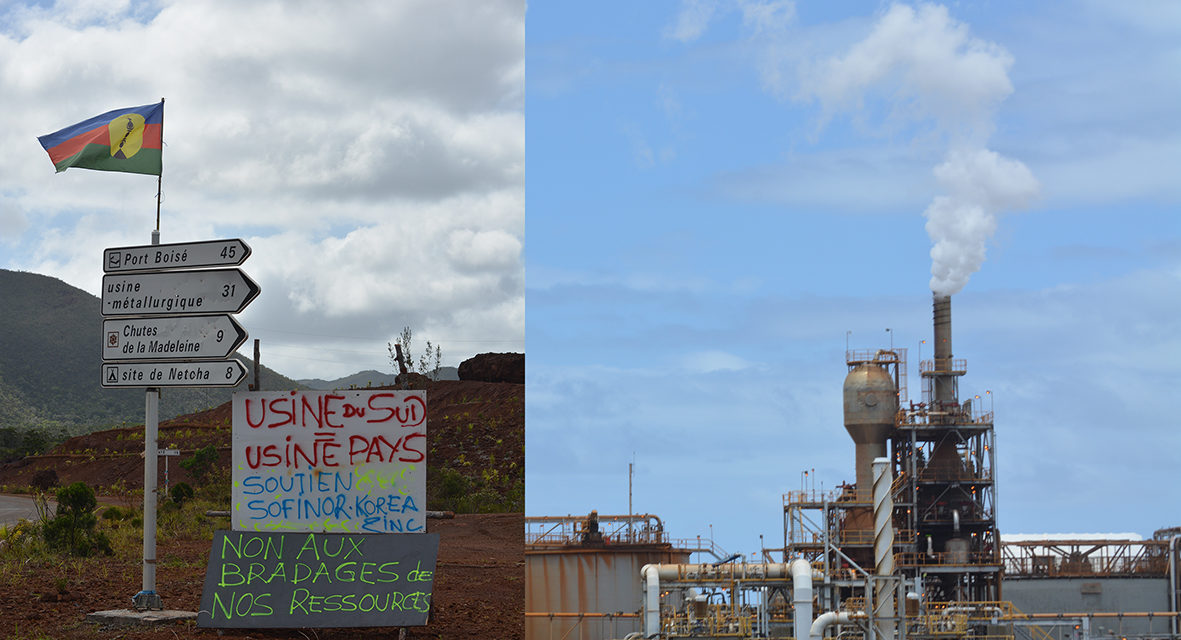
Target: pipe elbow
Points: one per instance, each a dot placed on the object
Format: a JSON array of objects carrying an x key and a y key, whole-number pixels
[{"x": 827, "y": 619}]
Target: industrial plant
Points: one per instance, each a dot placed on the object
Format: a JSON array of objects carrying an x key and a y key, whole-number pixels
[{"x": 910, "y": 550}]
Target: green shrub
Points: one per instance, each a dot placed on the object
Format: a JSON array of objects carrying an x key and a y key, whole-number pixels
[
  {"x": 181, "y": 493},
  {"x": 201, "y": 462},
  {"x": 450, "y": 490},
  {"x": 72, "y": 528},
  {"x": 20, "y": 539}
]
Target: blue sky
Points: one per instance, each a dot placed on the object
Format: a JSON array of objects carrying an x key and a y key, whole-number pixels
[
  {"x": 718, "y": 193},
  {"x": 372, "y": 154}
]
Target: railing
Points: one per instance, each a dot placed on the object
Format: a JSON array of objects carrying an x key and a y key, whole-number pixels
[
  {"x": 1057, "y": 558},
  {"x": 594, "y": 528},
  {"x": 719, "y": 622},
  {"x": 699, "y": 544},
  {"x": 945, "y": 559},
  {"x": 930, "y": 474},
  {"x": 958, "y": 366},
  {"x": 809, "y": 496}
]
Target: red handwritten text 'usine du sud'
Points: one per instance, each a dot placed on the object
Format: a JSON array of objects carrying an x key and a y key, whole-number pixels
[
  {"x": 324, "y": 415},
  {"x": 318, "y": 411}
]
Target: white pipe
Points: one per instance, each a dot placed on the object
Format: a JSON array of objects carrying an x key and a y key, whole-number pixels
[
  {"x": 1173, "y": 578},
  {"x": 651, "y": 574},
  {"x": 955, "y": 519},
  {"x": 883, "y": 547},
  {"x": 824, "y": 620},
  {"x": 801, "y": 595}
]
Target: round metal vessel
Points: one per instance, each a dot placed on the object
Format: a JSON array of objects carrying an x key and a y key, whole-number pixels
[{"x": 871, "y": 402}]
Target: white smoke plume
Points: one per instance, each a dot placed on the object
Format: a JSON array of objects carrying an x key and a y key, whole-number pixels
[
  {"x": 930, "y": 69},
  {"x": 979, "y": 184}
]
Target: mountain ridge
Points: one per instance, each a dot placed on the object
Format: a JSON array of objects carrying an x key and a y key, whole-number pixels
[
  {"x": 369, "y": 378},
  {"x": 51, "y": 363}
]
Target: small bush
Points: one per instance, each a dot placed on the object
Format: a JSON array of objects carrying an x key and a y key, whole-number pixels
[
  {"x": 450, "y": 490},
  {"x": 181, "y": 493},
  {"x": 201, "y": 462},
  {"x": 72, "y": 528},
  {"x": 20, "y": 539},
  {"x": 44, "y": 479}
]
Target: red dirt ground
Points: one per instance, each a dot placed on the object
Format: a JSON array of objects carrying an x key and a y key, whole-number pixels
[{"x": 479, "y": 590}]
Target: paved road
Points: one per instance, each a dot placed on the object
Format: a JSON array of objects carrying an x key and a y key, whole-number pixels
[{"x": 13, "y": 508}]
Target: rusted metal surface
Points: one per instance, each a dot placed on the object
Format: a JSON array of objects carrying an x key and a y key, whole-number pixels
[{"x": 587, "y": 592}]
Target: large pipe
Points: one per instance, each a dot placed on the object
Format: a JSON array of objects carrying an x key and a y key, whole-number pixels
[
  {"x": 883, "y": 546},
  {"x": 801, "y": 595},
  {"x": 825, "y": 620},
  {"x": 651, "y": 574},
  {"x": 654, "y": 574}
]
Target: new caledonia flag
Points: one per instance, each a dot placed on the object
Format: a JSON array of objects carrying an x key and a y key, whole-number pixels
[{"x": 125, "y": 140}]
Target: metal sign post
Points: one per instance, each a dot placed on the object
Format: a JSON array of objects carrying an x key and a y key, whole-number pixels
[
  {"x": 169, "y": 326},
  {"x": 147, "y": 598},
  {"x": 166, "y": 454}
]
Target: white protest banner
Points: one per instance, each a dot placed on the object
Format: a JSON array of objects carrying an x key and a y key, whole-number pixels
[{"x": 332, "y": 461}]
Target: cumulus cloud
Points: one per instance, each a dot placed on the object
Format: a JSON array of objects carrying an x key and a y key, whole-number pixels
[
  {"x": 929, "y": 69},
  {"x": 372, "y": 153},
  {"x": 695, "y": 16},
  {"x": 926, "y": 64}
]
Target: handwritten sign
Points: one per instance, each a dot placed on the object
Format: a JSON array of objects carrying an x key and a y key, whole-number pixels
[
  {"x": 334, "y": 461},
  {"x": 278, "y": 580}
]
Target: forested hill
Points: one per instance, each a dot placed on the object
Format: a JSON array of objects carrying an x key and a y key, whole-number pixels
[{"x": 50, "y": 363}]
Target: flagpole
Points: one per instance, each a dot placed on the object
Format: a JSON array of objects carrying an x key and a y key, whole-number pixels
[{"x": 160, "y": 176}]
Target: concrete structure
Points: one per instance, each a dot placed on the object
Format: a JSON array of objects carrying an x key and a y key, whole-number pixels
[{"x": 1132, "y": 597}]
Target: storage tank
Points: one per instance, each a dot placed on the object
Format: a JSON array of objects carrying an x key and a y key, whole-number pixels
[
  {"x": 871, "y": 403},
  {"x": 582, "y": 573}
]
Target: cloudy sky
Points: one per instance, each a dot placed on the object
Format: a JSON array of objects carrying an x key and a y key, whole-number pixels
[
  {"x": 721, "y": 195},
  {"x": 371, "y": 153}
]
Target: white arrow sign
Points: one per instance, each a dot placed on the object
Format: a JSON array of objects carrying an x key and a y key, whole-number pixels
[
  {"x": 154, "y": 257},
  {"x": 171, "y": 338},
  {"x": 196, "y": 292},
  {"x": 212, "y": 373}
]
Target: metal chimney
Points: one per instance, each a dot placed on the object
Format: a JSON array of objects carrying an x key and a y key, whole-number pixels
[{"x": 944, "y": 383}]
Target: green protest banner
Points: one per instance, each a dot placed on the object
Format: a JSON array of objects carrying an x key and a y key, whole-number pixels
[{"x": 277, "y": 580}]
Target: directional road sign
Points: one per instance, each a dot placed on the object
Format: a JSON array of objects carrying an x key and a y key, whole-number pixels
[
  {"x": 172, "y": 338},
  {"x": 215, "y": 373},
  {"x": 152, "y": 257},
  {"x": 195, "y": 292}
]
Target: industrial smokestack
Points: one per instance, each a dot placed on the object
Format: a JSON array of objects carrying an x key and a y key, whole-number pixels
[{"x": 944, "y": 391}]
